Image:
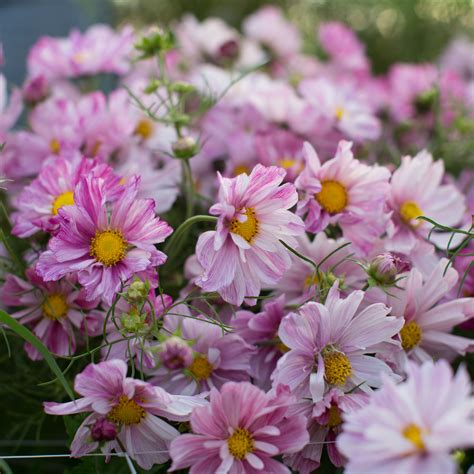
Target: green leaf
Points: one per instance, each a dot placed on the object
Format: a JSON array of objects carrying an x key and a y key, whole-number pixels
[{"x": 29, "y": 337}]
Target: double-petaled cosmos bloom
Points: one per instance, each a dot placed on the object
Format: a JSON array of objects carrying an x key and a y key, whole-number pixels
[
  {"x": 416, "y": 190},
  {"x": 412, "y": 427},
  {"x": 429, "y": 319},
  {"x": 216, "y": 357},
  {"x": 346, "y": 192},
  {"x": 329, "y": 345},
  {"x": 240, "y": 431},
  {"x": 105, "y": 249},
  {"x": 245, "y": 252},
  {"x": 55, "y": 310},
  {"x": 39, "y": 203},
  {"x": 124, "y": 412}
]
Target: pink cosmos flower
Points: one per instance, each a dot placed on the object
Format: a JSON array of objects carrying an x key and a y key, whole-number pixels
[
  {"x": 104, "y": 250},
  {"x": 240, "y": 431},
  {"x": 39, "y": 202},
  {"x": 428, "y": 320},
  {"x": 346, "y": 192},
  {"x": 133, "y": 407},
  {"x": 55, "y": 311},
  {"x": 343, "y": 46},
  {"x": 244, "y": 252},
  {"x": 412, "y": 427},
  {"x": 416, "y": 190},
  {"x": 301, "y": 283},
  {"x": 100, "y": 49},
  {"x": 269, "y": 27},
  {"x": 261, "y": 330},
  {"x": 339, "y": 106},
  {"x": 329, "y": 345},
  {"x": 217, "y": 357},
  {"x": 325, "y": 420}
]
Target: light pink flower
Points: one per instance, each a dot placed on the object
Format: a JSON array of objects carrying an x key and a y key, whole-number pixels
[
  {"x": 241, "y": 430},
  {"x": 55, "y": 311},
  {"x": 329, "y": 345},
  {"x": 39, "y": 202},
  {"x": 412, "y": 427},
  {"x": 9, "y": 110},
  {"x": 416, "y": 190},
  {"x": 269, "y": 27},
  {"x": 245, "y": 252},
  {"x": 104, "y": 250},
  {"x": 429, "y": 319},
  {"x": 346, "y": 192},
  {"x": 300, "y": 282},
  {"x": 217, "y": 357},
  {"x": 100, "y": 49},
  {"x": 136, "y": 408}
]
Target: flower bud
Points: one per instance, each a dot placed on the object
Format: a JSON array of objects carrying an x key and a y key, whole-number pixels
[
  {"x": 35, "y": 90},
  {"x": 103, "y": 430},
  {"x": 175, "y": 353},
  {"x": 185, "y": 147},
  {"x": 138, "y": 290},
  {"x": 132, "y": 321},
  {"x": 384, "y": 268}
]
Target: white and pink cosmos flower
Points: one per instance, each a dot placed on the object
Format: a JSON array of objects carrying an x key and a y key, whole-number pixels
[
  {"x": 240, "y": 431},
  {"x": 345, "y": 192},
  {"x": 245, "y": 252},
  {"x": 57, "y": 312},
  {"x": 429, "y": 316},
  {"x": 416, "y": 190},
  {"x": 330, "y": 345},
  {"x": 105, "y": 249},
  {"x": 38, "y": 204},
  {"x": 124, "y": 412},
  {"x": 412, "y": 427}
]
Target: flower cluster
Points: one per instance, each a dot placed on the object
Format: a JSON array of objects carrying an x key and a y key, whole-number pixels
[{"x": 310, "y": 292}]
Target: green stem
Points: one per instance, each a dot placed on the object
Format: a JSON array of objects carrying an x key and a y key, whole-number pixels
[{"x": 188, "y": 188}]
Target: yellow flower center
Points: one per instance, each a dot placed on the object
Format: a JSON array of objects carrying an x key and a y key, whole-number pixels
[
  {"x": 247, "y": 229},
  {"x": 144, "y": 128},
  {"x": 410, "y": 211},
  {"x": 337, "y": 367},
  {"x": 64, "y": 199},
  {"x": 410, "y": 335},
  {"x": 55, "y": 146},
  {"x": 334, "y": 417},
  {"x": 339, "y": 113},
  {"x": 241, "y": 169},
  {"x": 95, "y": 148},
  {"x": 201, "y": 368},
  {"x": 415, "y": 435},
  {"x": 108, "y": 247},
  {"x": 127, "y": 412},
  {"x": 311, "y": 280},
  {"x": 280, "y": 346},
  {"x": 240, "y": 443},
  {"x": 332, "y": 197},
  {"x": 54, "y": 306},
  {"x": 286, "y": 163}
]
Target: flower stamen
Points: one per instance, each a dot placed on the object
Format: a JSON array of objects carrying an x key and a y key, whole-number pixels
[
  {"x": 201, "y": 368},
  {"x": 64, "y": 199},
  {"x": 126, "y": 412},
  {"x": 410, "y": 335},
  {"x": 108, "y": 247},
  {"x": 247, "y": 229},
  {"x": 54, "y": 306},
  {"x": 337, "y": 367},
  {"x": 332, "y": 197},
  {"x": 240, "y": 443}
]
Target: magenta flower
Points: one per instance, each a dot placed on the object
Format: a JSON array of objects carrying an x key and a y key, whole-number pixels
[
  {"x": 412, "y": 427},
  {"x": 329, "y": 345},
  {"x": 241, "y": 430},
  {"x": 39, "y": 202},
  {"x": 416, "y": 190},
  {"x": 217, "y": 357},
  {"x": 54, "y": 310},
  {"x": 346, "y": 192},
  {"x": 244, "y": 252},
  {"x": 104, "y": 250},
  {"x": 126, "y": 410},
  {"x": 428, "y": 319}
]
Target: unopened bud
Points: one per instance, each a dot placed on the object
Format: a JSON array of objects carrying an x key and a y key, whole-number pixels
[
  {"x": 138, "y": 290},
  {"x": 132, "y": 321},
  {"x": 185, "y": 147},
  {"x": 103, "y": 430},
  {"x": 384, "y": 268},
  {"x": 175, "y": 353}
]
